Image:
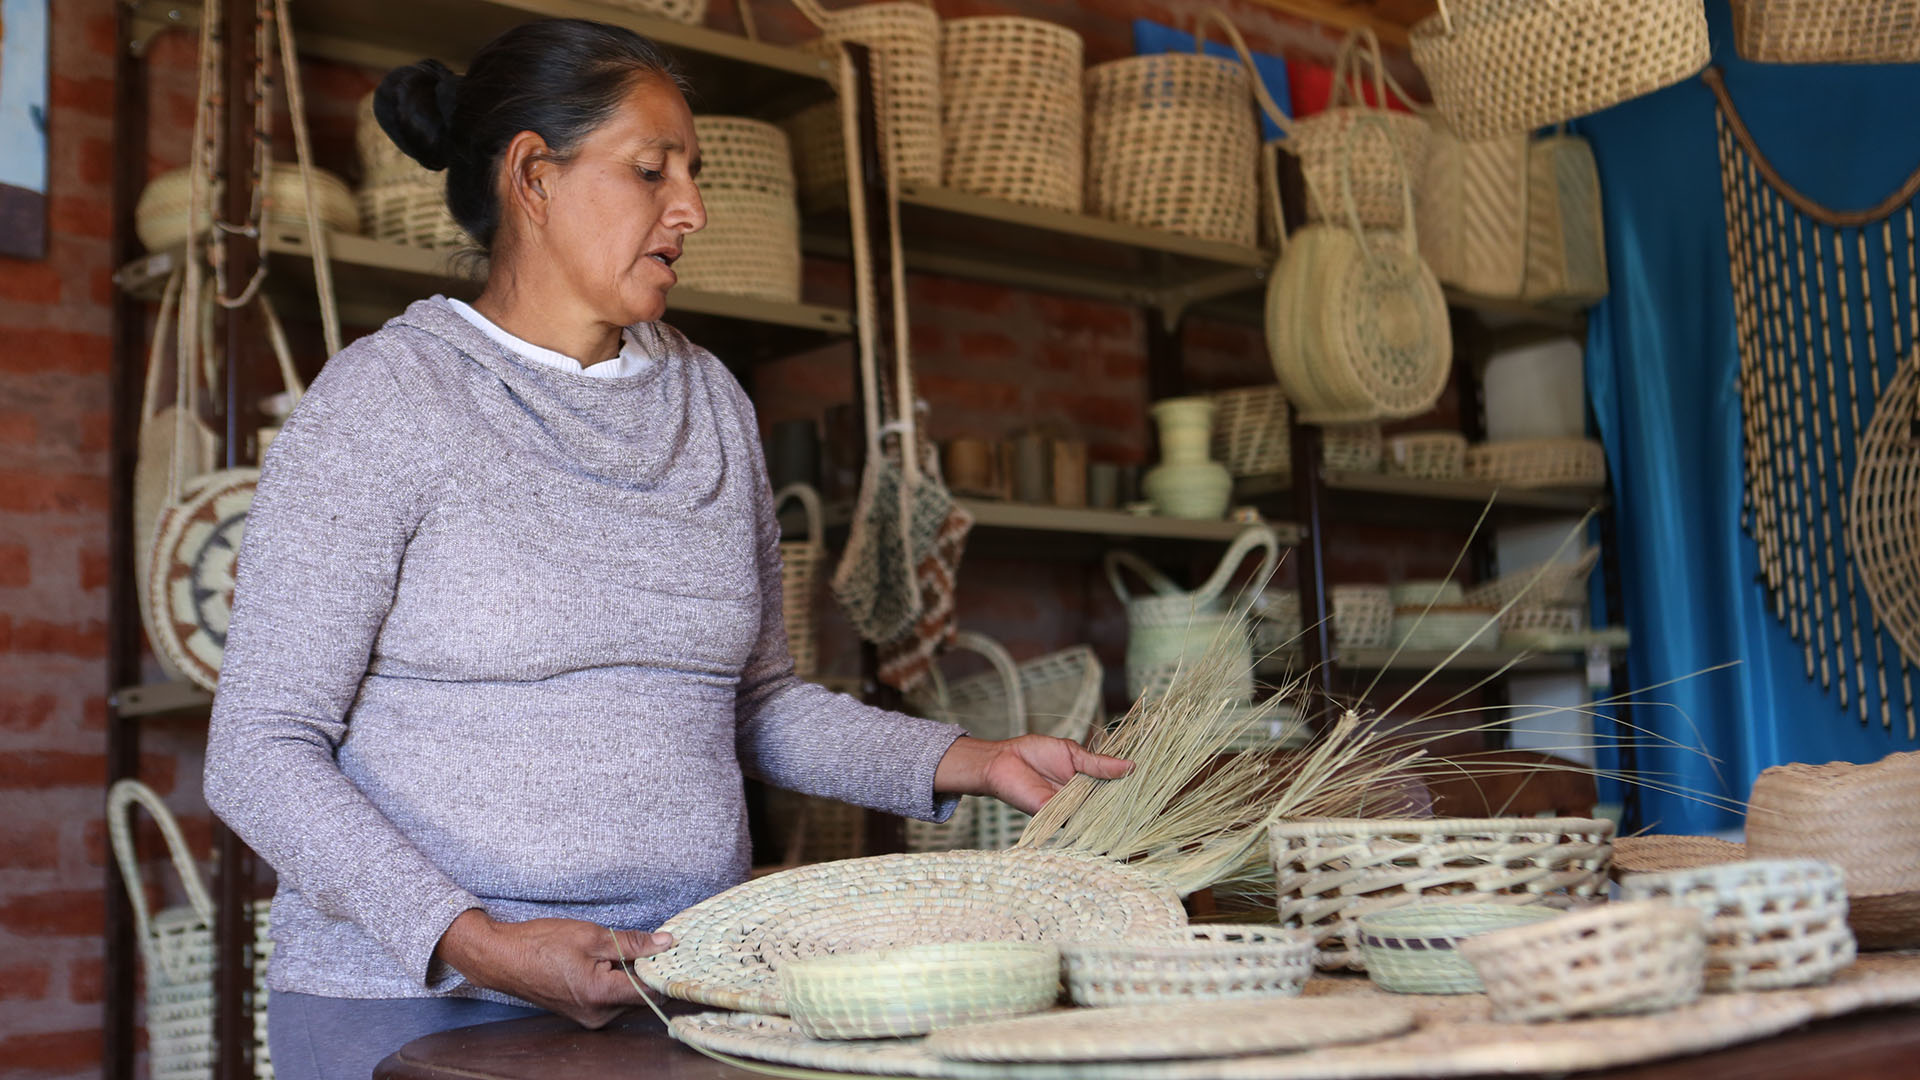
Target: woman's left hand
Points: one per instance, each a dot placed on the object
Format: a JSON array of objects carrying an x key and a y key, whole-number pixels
[{"x": 1023, "y": 772}]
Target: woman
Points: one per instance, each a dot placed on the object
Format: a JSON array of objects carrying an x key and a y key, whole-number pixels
[{"x": 507, "y": 628}]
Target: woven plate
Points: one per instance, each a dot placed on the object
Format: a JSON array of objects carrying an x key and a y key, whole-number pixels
[
  {"x": 1653, "y": 854},
  {"x": 1152, "y": 1032},
  {"x": 190, "y": 573},
  {"x": 730, "y": 945}
]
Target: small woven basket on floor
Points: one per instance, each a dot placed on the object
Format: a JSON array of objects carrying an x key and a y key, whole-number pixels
[
  {"x": 1771, "y": 923},
  {"x": 1203, "y": 961},
  {"x": 160, "y": 219},
  {"x": 1251, "y": 436},
  {"x": 911, "y": 991},
  {"x": 1013, "y": 110},
  {"x": 1827, "y": 31},
  {"x": 1320, "y": 142},
  {"x": 1427, "y": 455},
  {"x": 1330, "y": 873},
  {"x": 1172, "y": 144},
  {"x": 411, "y": 209},
  {"x": 1539, "y": 463},
  {"x": 1416, "y": 949},
  {"x": 1566, "y": 232},
  {"x": 1472, "y": 206},
  {"x": 1362, "y": 616},
  {"x": 800, "y": 563},
  {"x": 751, "y": 243},
  {"x": 1544, "y": 583},
  {"x": 1636, "y": 956},
  {"x": 999, "y": 712},
  {"x": 1506, "y": 67},
  {"x": 904, "y": 36}
]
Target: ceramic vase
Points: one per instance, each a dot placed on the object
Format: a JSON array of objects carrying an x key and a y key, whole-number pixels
[{"x": 1187, "y": 483}]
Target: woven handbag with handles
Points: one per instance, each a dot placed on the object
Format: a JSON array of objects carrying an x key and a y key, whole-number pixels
[
  {"x": 1566, "y": 234},
  {"x": 1379, "y": 170},
  {"x": 1827, "y": 31},
  {"x": 1472, "y": 202},
  {"x": 980, "y": 821},
  {"x": 1169, "y": 626},
  {"x": 177, "y": 945}
]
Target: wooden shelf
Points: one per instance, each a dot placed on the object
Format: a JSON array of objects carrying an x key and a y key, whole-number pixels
[
  {"x": 1110, "y": 524},
  {"x": 1383, "y": 499},
  {"x": 1474, "y": 663},
  {"x": 159, "y": 699},
  {"x": 375, "y": 280}
]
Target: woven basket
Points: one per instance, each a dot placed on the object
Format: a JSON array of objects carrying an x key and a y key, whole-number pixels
[
  {"x": 381, "y": 159},
  {"x": 1566, "y": 232},
  {"x": 1505, "y": 67},
  {"x": 411, "y": 210},
  {"x": 1061, "y": 691},
  {"x": 1219, "y": 961},
  {"x": 1276, "y": 622},
  {"x": 1168, "y": 626},
  {"x": 1539, "y": 463},
  {"x": 1330, "y": 873},
  {"x": 914, "y": 990},
  {"x": 1381, "y": 170},
  {"x": 730, "y": 945},
  {"x": 819, "y": 156},
  {"x": 904, "y": 37},
  {"x": 685, "y": 11},
  {"x": 1472, "y": 205},
  {"x": 1250, "y": 431},
  {"x": 1437, "y": 629},
  {"x": 999, "y": 713},
  {"x": 178, "y": 948},
  {"x": 800, "y": 563},
  {"x": 1013, "y": 110},
  {"x": 1428, "y": 455},
  {"x": 1418, "y": 594},
  {"x": 1771, "y": 924},
  {"x": 751, "y": 244},
  {"x": 1658, "y": 853},
  {"x": 1827, "y": 31},
  {"x": 1172, "y": 144},
  {"x": 1362, "y": 616},
  {"x": 1548, "y": 583},
  {"x": 1541, "y": 619},
  {"x": 160, "y": 219},
  {"x": 816, "y": 829},
  {"x": 1352, "y": 447},
  {"x": 1865, "y": 819},
  {"x": 1415, "y": 949},
  {"x": 1632, "y": 957}
]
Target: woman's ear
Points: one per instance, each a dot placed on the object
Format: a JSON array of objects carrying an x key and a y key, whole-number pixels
[{"x": 527, "y": 171}]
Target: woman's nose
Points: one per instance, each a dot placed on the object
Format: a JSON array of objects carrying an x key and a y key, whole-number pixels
[{"x": 687, "y": 212}]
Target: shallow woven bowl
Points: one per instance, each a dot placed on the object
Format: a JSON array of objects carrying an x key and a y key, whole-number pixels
[
  {"x": 911, "y": 991},
  {"x": 730, "y": 945},
  {"x": 1203, "y": 961},
  {"x": 1632, "y": 957},
  {"x": 1771, "y": 923},
  {"x": 1416, "y": 949}
]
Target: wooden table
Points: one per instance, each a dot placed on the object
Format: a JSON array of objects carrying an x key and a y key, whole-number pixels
[{"x": 1880, "y": 1045}]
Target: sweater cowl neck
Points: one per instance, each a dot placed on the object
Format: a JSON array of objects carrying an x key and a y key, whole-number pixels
[{"x": 643, "y": 431}]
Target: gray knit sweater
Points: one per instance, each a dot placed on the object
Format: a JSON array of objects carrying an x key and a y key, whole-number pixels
[{"x": 507, "y": 637}]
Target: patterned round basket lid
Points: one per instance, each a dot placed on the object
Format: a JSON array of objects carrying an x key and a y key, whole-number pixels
[{"x": 190, "y": 572}]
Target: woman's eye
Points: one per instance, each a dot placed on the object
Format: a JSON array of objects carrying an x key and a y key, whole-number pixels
[{"x": 651, "y": 176}]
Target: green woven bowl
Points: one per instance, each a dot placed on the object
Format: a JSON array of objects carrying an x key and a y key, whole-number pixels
[
  {"x": 1410, "y": 950},
  {"x": 912, "y": 990}
]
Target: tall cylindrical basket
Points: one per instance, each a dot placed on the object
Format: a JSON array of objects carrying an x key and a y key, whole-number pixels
[
  {"x": 1013, "y": 110},
  {"x": 751, "y": 244}
]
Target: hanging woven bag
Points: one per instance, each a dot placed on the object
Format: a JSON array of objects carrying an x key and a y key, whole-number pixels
[
  {"x": 1013, "y": 112},
  {"x": 1472, "y": 208},
  {"x": 1827, "y": 31},
  {"x": 904, "y": 36},
  {"x": 1566, "y": 232},
  {"x": 1506, "y": 67},
  {"x": 751, "y": 245},
  {"x": 1377, "y": 170}
]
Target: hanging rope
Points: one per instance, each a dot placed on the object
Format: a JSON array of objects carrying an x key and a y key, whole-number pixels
[{"x": 1830, "y": 502}]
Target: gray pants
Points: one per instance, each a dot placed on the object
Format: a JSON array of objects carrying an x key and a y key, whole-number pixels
[{"x": 325, "y": 1038}]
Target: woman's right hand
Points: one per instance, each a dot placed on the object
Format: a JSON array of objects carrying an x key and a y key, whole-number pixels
[{"x": 565, "y": 966}]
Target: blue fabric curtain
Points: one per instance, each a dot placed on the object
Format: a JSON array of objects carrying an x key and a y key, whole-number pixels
[{"x": 1662, "y": 375}]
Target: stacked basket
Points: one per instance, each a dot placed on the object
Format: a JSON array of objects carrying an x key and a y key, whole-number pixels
[
  {"x": 751, "y": 243},
  {"x": 904, "y": 37},
  {"x": 399, "y": 200},
  {"x": 160, "y": 219},
  {"x": 1012, "y": 110}
]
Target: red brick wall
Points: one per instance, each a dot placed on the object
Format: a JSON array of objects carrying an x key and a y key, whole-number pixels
[{"x": 991, "y": 361}]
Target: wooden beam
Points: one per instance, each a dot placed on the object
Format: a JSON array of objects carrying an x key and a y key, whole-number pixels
[{"x": 1345, "y": 16}]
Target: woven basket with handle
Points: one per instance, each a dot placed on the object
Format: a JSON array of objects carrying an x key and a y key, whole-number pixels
[
  {"x": 1168, "y": 626},
  {"x": 800, "y": 562},
  {"x": 410, "y": 207},
  {"x": 980, "y": 821},
  {"x": 1566, "y": 235},
  {"x": 177, "y": 946},
  {"x": 751, "y": 244},
  {"x": 1507, "y": 67},
  {"x": 1472, "y": 202},
  {"x": 1827, "y": 31},
  {"x": 1380, "y": 170},
  {"x": 1013, "y": 110},
  {"x": 1548, "y": 583},
  {"x": 904, "y": 36}
]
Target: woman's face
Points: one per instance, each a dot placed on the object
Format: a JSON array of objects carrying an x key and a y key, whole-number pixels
[{"x": 621, "y": 206}]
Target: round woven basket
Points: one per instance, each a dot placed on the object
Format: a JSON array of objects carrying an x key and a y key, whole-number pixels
[
  {"x": 911, "y": 991},
  {"x": 1651, "y": 854},
  {"x": 410, "y": 207},
  {"x": 1013, "y": 110},
  {"x": 1631, "y": 957},
  {"x": 905, "y": 39},
  {"x": 1217, "y": 961},
  {"x": 1428, "y": 455},
  {"x": 190, "y": 572},
  {"x": 1883, "y": 504},
  {"x": 160, "y": 219},
  {"x": 730, "y": 945},
  {"x": 1172, "y": 144},
  {"x": 1416, "y": 949},
  {"x": 1382, "y": 170},
  {"x": 1771, "y": 923},
  {"x": 1827, "y": 31},
  {"x": 1251, "y": 436},
  {"x": 800, "y": 562},
  {"x": 1504, "y": 67},
  {"x": 751, "y": 245},
  {"x": 1540, "y": 463},
  {"x": 1330, "y": 873}
]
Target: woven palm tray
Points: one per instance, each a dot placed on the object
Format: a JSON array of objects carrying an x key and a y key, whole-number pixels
[
  {"x": 729, "y": 947},
  {"x": 1455, "y": 1037}
]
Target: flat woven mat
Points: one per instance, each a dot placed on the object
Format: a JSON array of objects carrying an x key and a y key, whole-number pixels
[
  {"x": 1453, "y": 1037},
  {"x": 1190, "y": 1030}
]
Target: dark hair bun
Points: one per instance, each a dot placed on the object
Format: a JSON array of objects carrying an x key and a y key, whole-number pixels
[{"x": 414, "y": 105}]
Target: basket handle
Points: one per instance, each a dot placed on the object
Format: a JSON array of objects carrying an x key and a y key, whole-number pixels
[
  {"x": 1362, "y": 44},
  {"x": 1270, "y": 187},
  {"x": 809, "y": 501},
  {"x": 1267, "y": 104},
  {"x": 120, "y": 799},
  {"x": 1002, "y": 662},
  {"x": 1408, "y": 237},
  {"x": 1157, "y": 581},
  {"x": 1254, "y": 536}
]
